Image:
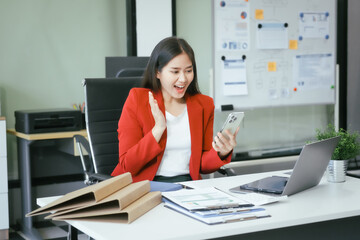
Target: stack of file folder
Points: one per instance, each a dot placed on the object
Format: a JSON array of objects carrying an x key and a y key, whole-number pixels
[
  {"x": 212, "y": 206},
  {"x": 114, "y": 200}
]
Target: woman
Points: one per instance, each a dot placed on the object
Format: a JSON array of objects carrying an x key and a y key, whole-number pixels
[{"x": 166, "y": 128}]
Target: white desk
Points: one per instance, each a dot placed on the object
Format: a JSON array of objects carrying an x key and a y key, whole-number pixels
[
  {"x": 325, "y": 202},
  {"x": 24, "y": 143}
]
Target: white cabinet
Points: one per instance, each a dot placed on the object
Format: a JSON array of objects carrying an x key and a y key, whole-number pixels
[
  {"x": 3, "y": 158},
  {"x": 4, "y": 202}
]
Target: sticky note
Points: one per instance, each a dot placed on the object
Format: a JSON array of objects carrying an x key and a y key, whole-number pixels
[
  {"x": 293, "y": 44},
  {"x": 272, "y": 66},
  {"x": 259, "y": 14}
]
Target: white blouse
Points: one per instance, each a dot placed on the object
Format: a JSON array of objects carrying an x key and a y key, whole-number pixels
[{"x": 177, "y": 153}]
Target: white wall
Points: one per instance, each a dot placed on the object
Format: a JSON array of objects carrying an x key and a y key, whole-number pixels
[{"x": 48, "y": 47}]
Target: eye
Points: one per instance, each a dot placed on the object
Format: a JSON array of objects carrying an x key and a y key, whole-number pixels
[
  {"x": 175, "y": 72},
  {"x": 189, "y": 71}
]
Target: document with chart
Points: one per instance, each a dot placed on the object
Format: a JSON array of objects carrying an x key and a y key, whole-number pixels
[
  {"x": 212, "y": 206},
  {"x": 204, "y": 198}
]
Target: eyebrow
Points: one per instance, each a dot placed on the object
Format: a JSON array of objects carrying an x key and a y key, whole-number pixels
[{"x": 191, "y": 66}]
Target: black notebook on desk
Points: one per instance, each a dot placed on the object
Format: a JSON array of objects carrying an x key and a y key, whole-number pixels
[
  {"x": 273, "y": 184},
  {"x": 307, "y": 173}
]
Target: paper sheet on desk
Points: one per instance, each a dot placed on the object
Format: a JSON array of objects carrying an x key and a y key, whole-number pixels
[
  {"x": 256, "y": 199},
  {"x": 259, "y": 199},
  {"x": 204, "y": 198}
]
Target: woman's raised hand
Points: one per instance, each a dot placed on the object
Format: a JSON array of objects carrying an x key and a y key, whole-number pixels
[{"x": 160, "y": 121}]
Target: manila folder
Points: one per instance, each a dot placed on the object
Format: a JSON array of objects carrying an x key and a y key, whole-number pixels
[
  {"x": 127, "y": 215},
  {"x": 85, "y": 196},
  {"x": 116, "y": 201}
]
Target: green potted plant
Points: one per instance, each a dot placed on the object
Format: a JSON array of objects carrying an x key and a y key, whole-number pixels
[{"x": 347, "y": 148}]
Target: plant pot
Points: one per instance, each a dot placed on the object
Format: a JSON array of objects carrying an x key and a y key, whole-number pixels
[{"x": 336, "y": 171}]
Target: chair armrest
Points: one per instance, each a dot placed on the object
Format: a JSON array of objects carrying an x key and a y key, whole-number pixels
[
  {"x": 83, "y": 141},
  {"x": 88, "y": 167},
  {"x": 90, "y": 176},
  {"x": 227, "y": 171},
  {"x": 98, "y": 177}
]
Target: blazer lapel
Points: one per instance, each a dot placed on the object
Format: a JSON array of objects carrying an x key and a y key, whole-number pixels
[{"x": 196, "y": 121}]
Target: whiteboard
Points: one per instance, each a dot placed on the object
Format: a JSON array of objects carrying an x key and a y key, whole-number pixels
[{"x": 274, "y": 53}]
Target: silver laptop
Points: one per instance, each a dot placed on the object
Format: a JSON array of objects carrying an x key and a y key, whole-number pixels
[{"x": 307, "y": 172}]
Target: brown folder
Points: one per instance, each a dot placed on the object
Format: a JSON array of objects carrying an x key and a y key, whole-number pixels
[
  {"x": 112, "y": 213},
  {"x": 86, "y": 196},
  {"x": 116, "y": 201}
]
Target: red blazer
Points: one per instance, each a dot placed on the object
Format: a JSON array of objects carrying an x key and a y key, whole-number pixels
[{"x": 139, "y": 152}]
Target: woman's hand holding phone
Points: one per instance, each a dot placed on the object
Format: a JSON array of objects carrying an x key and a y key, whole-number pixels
[{"x": 225, "y": 140}]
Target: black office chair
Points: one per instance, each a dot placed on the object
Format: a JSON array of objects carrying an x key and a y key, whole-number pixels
[{"x": 104, "y": 100}]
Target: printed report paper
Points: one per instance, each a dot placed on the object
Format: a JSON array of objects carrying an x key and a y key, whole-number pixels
[{"x": 204, "y": 198}]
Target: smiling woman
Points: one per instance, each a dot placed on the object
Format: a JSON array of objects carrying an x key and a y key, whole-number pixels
[{"x": 166, "y": 128}]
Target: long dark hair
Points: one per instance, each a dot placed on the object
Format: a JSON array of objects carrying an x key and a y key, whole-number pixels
[{"x": 162, "y": 54}]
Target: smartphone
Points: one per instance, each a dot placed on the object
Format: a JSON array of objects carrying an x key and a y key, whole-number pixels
[{"x": 233, "y": 121}]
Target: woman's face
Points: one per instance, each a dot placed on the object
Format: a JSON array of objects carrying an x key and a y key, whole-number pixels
[{"x": 176, "y": 76}]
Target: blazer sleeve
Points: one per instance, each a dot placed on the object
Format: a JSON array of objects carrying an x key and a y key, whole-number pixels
[
  {"x": 137, "y": 145},
  {"x": 210, "y": 160}
]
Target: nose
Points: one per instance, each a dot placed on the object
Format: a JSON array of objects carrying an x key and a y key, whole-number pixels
[{"x": 182, "y": 77}]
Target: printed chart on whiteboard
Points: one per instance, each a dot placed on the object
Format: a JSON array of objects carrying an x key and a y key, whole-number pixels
[{"x": 274, "y": 53}]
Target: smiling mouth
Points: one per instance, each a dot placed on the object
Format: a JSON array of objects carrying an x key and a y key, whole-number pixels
[{"x": 179, "y": 87}]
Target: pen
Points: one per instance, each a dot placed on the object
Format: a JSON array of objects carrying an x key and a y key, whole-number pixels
[
  {"x": 240, "y": 219},
  {"x": 230, "y": 205},
  {"x": 214, "y": 207},
  {"x": 235, "y": 210},
  {"x": 235, "y": 219},
  {"x": 186, "y": 187}
]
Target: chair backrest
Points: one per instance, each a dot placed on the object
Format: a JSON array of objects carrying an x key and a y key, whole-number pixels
[
  {"x": 130, "y": 72},
  {"x": 115, "y": 64},
  {"x": 104, "y": 100}
]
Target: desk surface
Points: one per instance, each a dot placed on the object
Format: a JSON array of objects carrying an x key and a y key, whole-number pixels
[
  {"x": 327, "y": 201},
  {"x": 44, "y": 136}
]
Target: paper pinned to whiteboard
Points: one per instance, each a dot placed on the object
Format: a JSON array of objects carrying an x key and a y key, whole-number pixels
[
  {"x": 234, "y": 77},
  {"x": 314, "y": 71},
  {"x": 233, "y": 23},
  {"x": 314, "y": 25},
  {"x": 272, "y": 36}
]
